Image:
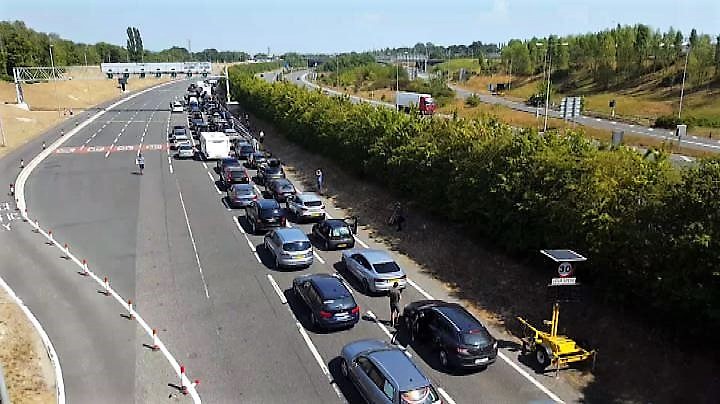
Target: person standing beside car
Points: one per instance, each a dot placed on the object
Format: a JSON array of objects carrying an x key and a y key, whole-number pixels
[{"x": 394, "y": 295}]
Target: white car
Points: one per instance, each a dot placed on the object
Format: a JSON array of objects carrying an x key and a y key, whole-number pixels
[
  {"x": 185, "y": 150},
  {"x": 306, "y": 206},
  {"x": 181, "y": 139},
  {"x": 177, "y": 107}
]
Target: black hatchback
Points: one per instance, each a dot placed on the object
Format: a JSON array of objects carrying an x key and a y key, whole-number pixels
[
  {"x": 333, "y": 234},
  {"x": 264, "y": 214},
  {"x": 460, "y": 339},
  {"x": 330, "y": 302}
]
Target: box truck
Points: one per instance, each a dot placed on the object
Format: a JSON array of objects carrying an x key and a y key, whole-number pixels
[{"x": 423, "y": 102}]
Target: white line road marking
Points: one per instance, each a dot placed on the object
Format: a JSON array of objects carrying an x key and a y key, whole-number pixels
[
  {"x": 279, "y": 292},
  {"x": 694, "y": 137},
  {"x": 686, "y": 158},
  {"x": 650, "y": 129},
  {"x": 379, "y": 324},
  {"x": 257, "y": 257},
  {"x": 598, "y": 119},
  {"x": 419, "y": 289},
  {"x": 192, "y": 240},
  {"x": 317, "y": 357},
  {"x": 22, "y": 205},
  {"x": 239, "y": 226},
  {"x": 446, "y": 396},
  {"x": 319, "y": 258},
  {"x": 257, "y": 189},
  {"x": 250, "y": 243},
  {"x": 205, "y": 165}
]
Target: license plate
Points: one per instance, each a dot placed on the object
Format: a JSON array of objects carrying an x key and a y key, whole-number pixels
[
  {"x": 342, "y": 245},
  {"x": 481, "y": 360}
]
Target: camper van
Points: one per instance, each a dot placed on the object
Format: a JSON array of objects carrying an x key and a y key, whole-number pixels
[{"x": 214, "y": 145}]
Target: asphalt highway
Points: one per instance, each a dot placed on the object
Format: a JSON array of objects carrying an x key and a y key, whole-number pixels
[{"x": 167, "y": 240}]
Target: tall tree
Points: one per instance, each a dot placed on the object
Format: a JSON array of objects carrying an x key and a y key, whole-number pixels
[
  {"x": 134, "y": 44},
  {"x": 130, "y": 43},
  {"x": 717, "y": 56},
  {"x": 139, "y": 49}
]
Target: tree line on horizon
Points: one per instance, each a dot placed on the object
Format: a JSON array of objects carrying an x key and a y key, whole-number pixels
[
  {"x": 617, "y": 55},
  {"x": 23, "y": 46}
]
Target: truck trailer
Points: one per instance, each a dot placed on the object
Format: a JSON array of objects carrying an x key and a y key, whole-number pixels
[
  {"x": 214, "y": 145},
  {"x": 424, "y": 103}
]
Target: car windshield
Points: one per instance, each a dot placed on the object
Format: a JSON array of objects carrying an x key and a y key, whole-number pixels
[
  {"x": 296, "y": 246},
  {"x": 477, "y": 337},
  {"x": 386, "y": 267},
  {"x": 340, "y": 232},
  {"x": 423, "y": 395}
]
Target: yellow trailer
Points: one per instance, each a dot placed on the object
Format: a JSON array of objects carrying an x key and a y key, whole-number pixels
[{"x": 549, "y": 348}]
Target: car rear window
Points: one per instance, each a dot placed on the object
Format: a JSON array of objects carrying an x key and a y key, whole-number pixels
[
  {"x": 478, "y": 337},
  {"x": 386, "y": 267},
  {"x": 313, "y": 203},
  {"x": 286, "y": 188},
  {"x": 237, "y": 173},
  {"x": 185, "y": 147},
  {"x": 340, "y": 232},
  {"x": 272, "y": 170},
  {"x": 296, "y": 246},
  {"x": 246, "y": 149},
  {"x": 423, "y": 395},
  {"x": 340, "y": 303},
  {"x": 267, "y": 213},
  {"x": 244, "y": 191}
]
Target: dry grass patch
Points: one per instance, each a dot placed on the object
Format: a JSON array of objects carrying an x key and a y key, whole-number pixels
[{"x": 28, "y": 372}]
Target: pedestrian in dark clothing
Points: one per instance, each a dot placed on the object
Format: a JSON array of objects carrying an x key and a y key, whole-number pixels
[{"x": 394, "y": 295}]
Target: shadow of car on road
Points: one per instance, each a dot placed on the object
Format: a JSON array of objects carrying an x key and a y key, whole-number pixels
[{"x": 346, "y": 386}]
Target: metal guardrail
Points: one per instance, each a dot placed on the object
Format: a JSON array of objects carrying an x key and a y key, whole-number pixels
[{"x": 4, "y": 396}]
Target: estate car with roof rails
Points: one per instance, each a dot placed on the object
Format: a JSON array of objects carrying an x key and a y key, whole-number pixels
[
  {"x": 384, "y": 374},
  {"x": 460, "y": 339},
  {"x": 289, "y": 247},
  {"x": 330, "y": 302}
]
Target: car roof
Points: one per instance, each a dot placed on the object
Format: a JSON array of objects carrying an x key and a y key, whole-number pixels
[
  {"x": 268, "y": 204},
  {"x": 460, "y": 317},
  {"x": 400, "y": 368},
  {"x": 329, "y": 286},
  {"x": 335, "y": 223},
  {"x": 247, "y": 187},
  {"x": 375, "y": 256},
  {"x": 290, "y": 234},
  {"x": 309, "y": 197}
]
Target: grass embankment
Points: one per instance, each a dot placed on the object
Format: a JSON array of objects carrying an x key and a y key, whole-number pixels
[
  {"x": 47, "y": 101},
  {"x": 641, "y": 101}
]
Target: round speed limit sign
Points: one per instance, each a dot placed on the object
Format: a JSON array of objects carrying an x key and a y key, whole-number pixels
[{"x": 565, "y": 269}]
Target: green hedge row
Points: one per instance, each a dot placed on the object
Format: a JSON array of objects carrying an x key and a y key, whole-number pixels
[
  {"x": 651, "y": 232},
  {"x": 671, "y": 121}
]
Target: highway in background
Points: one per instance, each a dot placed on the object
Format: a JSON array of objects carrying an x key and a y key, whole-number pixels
[{"x": 166, "y": 240}]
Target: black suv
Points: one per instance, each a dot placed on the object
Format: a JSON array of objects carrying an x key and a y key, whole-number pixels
[
  {"x": 280, "y": 189},
  {"x": 264, "y": 214},
  {"x": 460, "y": 339},
  {"x": 330, "y": 302}
]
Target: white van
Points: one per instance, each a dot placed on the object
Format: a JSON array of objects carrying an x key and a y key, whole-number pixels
[{"x": 214, "y": 145}]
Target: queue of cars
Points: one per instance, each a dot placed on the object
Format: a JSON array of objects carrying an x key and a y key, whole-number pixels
[{"x": 382, "y": 372}]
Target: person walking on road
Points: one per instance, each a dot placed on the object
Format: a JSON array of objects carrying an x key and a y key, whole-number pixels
[
  {"x": 394, "y": 295},
  {"x": 22, "y": 163},
  {"x": 12, "y": 189},
  {"x": 262, "y": 137},
  {"x": 397, "y": 218},
  {"x": 319, "y": 180},
  {"x": 43, "y": 146},
  {"x": 141, "y": 162}
]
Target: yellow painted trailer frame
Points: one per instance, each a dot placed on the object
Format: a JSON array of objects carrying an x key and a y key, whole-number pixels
[{"x": 550, "y": 348}]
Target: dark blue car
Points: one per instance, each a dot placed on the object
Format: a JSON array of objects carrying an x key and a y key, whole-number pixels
[{"x": 330, "y": 302}]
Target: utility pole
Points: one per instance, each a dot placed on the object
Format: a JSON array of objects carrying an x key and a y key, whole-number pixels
[
  {"x": 2, "y": 134},
  {"x": 189, "y": 50},
  {"x": 682, "y": 88},
  {"x": 337, "y": 70},
  {"x": 54, "y": 73}
]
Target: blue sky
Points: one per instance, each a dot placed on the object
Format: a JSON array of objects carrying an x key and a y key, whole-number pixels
[{"x": 345, "y": 25}]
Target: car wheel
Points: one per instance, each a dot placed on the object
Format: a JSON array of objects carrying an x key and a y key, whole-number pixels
[
  {"x": 277, "y": 262},
  {"x": 327, "y": 245},
  {"x": 366, "y": 286},
  {"x": 542, "y": 356},
  {"x": 443, "y": 356},
  {"x": 313, "y": 320},
  {"x": 344, "y": 368},
  {"x": 252, "y": 227},
  {"x": 414, "y": 332}
]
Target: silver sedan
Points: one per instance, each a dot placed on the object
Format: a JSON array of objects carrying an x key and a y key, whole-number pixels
[{"x": 375, "y": 269}]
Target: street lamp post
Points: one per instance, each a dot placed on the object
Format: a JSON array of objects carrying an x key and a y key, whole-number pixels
[
  {"x": 54, "y": 74},
  {"x": 337, "y": 71},
  {"x": 547, "y": 91},
  {"x": 682, "y": 88}
]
